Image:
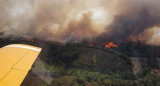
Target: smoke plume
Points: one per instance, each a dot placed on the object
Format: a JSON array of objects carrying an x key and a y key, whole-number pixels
[{"x": 76, "y": 20}]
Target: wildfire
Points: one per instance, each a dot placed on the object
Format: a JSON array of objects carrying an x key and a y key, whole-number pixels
[
  {"x": 110, "y": 44},
  {"x": 106, "y": 44}
]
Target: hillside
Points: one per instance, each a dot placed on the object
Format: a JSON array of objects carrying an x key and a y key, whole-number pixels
[{"x": 82, "y": 65}]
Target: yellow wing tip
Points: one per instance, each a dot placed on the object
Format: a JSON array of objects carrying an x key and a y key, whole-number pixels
[{"x": 25, "y": 46}]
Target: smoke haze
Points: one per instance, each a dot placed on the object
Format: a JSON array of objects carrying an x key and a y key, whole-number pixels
[{"x": 74, "y": 21}]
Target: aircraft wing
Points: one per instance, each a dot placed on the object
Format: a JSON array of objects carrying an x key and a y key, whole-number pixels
[{"x": 15, "y": 62}]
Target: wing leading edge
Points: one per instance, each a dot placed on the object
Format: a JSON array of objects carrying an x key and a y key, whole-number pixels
[{"x": 15, "y": 62}]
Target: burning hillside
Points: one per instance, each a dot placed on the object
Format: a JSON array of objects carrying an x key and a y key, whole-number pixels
[
  {"x": 68, "y": 62},
  {"x": 88, "y": 42}
]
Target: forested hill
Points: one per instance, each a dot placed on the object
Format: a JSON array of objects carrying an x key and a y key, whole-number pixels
[{"x": 72, "y": 64}]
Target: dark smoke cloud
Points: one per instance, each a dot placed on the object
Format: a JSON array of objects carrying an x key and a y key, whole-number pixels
[
  {"x": 76, "y": 20},
  {"x": 133, "y": 19}
]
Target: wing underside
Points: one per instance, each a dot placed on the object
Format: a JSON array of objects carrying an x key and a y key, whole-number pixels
[{"x": 15, "y": 62}]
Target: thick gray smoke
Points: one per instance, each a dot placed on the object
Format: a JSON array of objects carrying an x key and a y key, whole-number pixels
[
  {"x": 139, "y": 15},
  {"x": 74, "y": 21},
  {"x": 133, "y": 20},
  {"x": 56, "y": 20}
]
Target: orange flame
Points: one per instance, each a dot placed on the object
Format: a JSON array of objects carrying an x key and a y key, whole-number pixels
[{"x": 110, "y": 44}]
